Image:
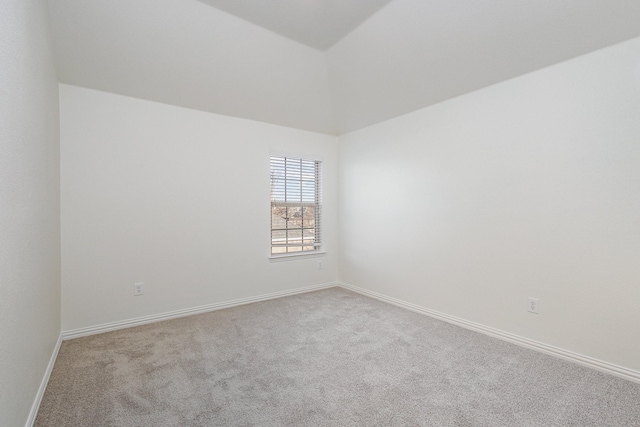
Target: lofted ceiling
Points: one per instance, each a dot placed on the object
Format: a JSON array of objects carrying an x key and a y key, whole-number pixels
[
  {"x": 329, "y": 66},
  {"x": 316, "y": 23}
]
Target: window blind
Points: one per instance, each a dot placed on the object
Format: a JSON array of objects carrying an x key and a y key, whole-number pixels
[{"x": 295, "y": 205}]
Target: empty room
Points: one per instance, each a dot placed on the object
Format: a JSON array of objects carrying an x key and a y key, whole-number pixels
[{"x": 319, "y": 213}]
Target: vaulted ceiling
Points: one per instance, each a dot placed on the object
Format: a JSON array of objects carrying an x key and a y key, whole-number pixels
[
  {"x": 329, "y": 66},
  {"x": 316, "y": 23}
]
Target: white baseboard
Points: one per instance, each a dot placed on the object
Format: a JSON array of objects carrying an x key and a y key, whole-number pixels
[
  {"x": 599, "y": 365},
  {"x": 106, "y": 327},
  {"x": 43, "y": 384}
]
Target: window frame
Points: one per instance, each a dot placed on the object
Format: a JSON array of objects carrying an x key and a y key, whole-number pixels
[{"x": 317, "y": 205}]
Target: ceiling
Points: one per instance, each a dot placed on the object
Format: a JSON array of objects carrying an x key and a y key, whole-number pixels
[
  {"x": 316, "y": 23},
  {"x": 415, "y": 53},
  {"x": 326, "y": 66}
]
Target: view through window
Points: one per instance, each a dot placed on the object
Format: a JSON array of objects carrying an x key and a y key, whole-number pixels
[{"x": 295, "y": 205}]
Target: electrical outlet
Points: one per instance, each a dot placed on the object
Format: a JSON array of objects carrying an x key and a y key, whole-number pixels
[
  {"x": 138, "y": 289},
  {"x": 319, "y": 264},
  {"x": 533, "y": 305}
]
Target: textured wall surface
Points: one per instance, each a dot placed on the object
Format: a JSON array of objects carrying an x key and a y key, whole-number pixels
[
  {"x": 29, "y": 206},
  {"x": 528, "y": 188}
]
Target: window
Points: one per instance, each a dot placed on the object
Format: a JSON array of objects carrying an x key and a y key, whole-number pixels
[{"x": 295, "y": 205}]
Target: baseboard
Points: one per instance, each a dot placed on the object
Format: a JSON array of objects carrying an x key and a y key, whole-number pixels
[
  {"x": 43, "y": 384},
  {"x": 98, "y": 329},
  {"x": 599, "y": 365}
]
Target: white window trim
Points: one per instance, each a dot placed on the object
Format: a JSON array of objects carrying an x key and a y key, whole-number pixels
[
  {"x": 305, "y": 156},
  {"x": 296, "y": 255},
  {"x": 320, "y": 252}
]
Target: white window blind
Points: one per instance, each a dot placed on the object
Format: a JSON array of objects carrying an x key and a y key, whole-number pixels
[{"x": 295, "y": 205}]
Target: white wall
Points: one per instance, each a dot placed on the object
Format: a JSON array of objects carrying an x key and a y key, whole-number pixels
[
  {"x": 29, "y": 206},
  {"x": 177, "y": 199},
  {"x": 529, "y": 188}
]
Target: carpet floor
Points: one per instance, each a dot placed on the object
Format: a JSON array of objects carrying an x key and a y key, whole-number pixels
[{"x": 325, "y": 358}]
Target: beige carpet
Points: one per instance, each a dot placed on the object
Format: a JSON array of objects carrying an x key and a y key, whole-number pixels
[{"x": 326, "y": 358}]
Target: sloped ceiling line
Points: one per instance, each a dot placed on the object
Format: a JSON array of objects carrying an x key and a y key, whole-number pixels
[{"x": 387, "y": 58}]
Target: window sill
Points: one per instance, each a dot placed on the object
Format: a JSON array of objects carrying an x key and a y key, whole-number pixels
[{"x": 294, "y": 256}]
